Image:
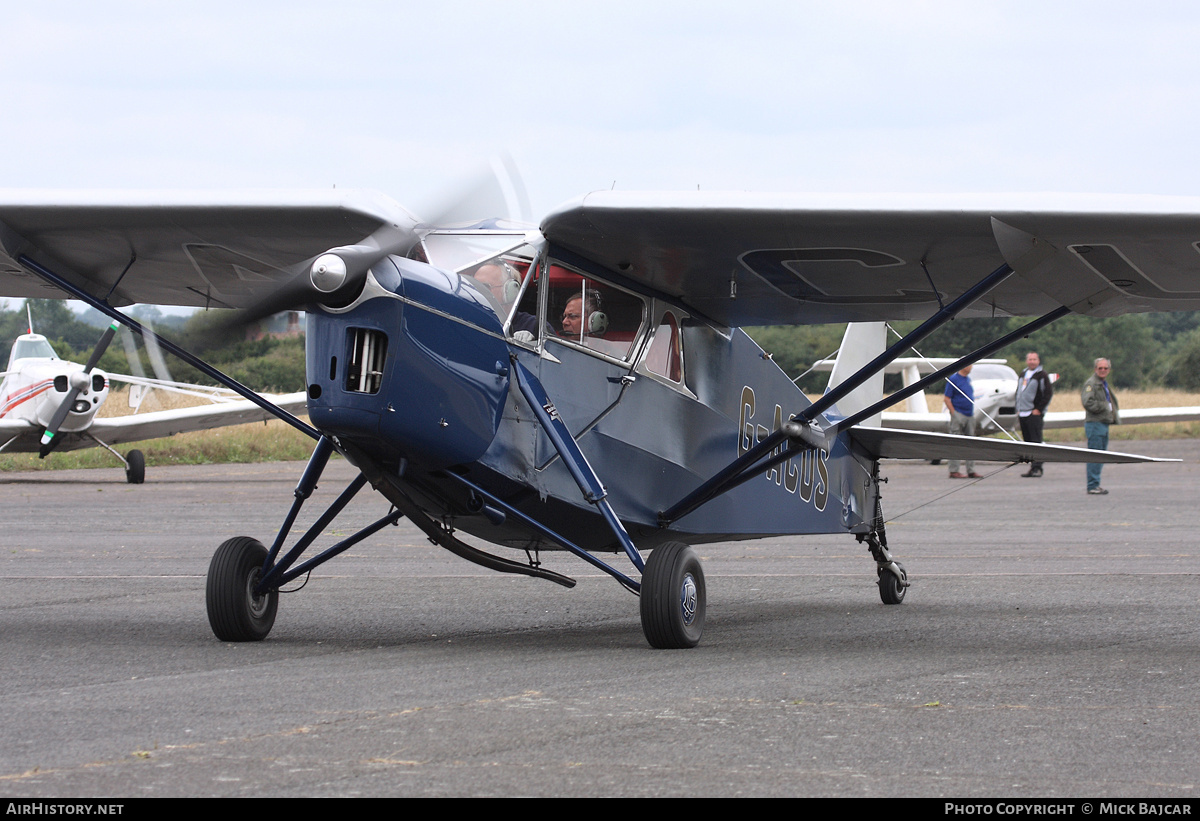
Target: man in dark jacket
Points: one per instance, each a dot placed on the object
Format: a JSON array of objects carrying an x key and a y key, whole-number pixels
[
  {"x": 1099, "y": 411},
  {"x": 1034, "y": 391}
]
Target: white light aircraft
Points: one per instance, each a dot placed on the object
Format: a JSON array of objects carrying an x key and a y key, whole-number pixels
[
  {"x": 47, "y": 404},
  {"x": 995, "y": 387}
]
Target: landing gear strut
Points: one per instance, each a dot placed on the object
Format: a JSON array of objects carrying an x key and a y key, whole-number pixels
[{"x": 893, "y": 580}]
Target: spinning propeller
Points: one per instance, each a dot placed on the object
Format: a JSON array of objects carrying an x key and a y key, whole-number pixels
[
  {"x": 336, "y": 277},
  {"x": 79, "y": 381}
]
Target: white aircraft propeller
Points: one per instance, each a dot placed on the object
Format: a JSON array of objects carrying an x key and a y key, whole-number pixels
[{"x": 79, "y": 381}]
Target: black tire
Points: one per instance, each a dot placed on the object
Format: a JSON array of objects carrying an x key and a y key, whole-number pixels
[
  {"x": 135, "y": 471},
  {"x": 891, "y": 591},
  {"x": 234, "y": 612},
  {"x": 673, "y": 597}
]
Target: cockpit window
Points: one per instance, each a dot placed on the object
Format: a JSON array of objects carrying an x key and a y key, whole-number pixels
[
  {"x": 504, "y": 279},
  {"x": 593, "y": 314},
  {"x": 31, "y": 347},
  {"x": 985, "y": 370},
  {"x": 665, "y": 355},
  {"x": 466, "y": 249}
]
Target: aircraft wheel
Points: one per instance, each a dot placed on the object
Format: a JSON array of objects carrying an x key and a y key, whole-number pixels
[
  {"x": 135, "y": 473},
  {"x": 234, "y": 612},
  {"x": 673, "y": 597},
  {"x": 890, "y": 588}
]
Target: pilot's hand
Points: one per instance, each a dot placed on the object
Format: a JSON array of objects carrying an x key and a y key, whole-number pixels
[{"x": 523, "y": 336}]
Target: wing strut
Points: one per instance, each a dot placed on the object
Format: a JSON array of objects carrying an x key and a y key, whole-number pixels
[
  {"x": 798, "y": 432},
  {"x": 574, "y": 460},
  {"x": 198, "y": 364},
  {"x": 969, "y": 359},
  {"x": 800, "y": 426}
]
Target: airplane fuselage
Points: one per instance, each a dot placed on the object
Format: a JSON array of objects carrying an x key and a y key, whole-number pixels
[{"x": 418, "y": 374}]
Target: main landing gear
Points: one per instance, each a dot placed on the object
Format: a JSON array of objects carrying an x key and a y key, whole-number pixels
[
  {"x": 236, "y": 610},
  {"x": 673, "y": 597},
  {"x": 135, "y": 467},
  {"x": 134, "y": 462}
]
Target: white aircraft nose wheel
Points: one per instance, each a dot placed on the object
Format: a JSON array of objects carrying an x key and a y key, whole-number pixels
[
  {"x": 234, "y": 612},
  {"x": 673, "y": 597},
  {"x": 891, "y": 588},
  {"x": 135, "y": 467}
]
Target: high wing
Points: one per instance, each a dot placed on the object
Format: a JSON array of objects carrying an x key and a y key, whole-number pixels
[
  {"x": 754, "y": 259},
  {"x": 204, "y": 249},
  {"x": 738, "y": 259},
  {"x": 22, "y": 437}
]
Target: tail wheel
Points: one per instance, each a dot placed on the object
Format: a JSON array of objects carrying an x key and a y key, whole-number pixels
[
  {"x": 673, "y": 597},
  {"x": 135, "y": 467},
  {"x": 891, "y": 587},
  {"x": 234, "y": 611}
]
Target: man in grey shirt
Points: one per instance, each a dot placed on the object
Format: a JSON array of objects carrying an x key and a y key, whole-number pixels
[{"x": 1099, "y": 411}]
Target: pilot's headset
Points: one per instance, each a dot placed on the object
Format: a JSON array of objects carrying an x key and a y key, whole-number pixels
[
  {"x": 597, "y": 320},
  {"x": 512, "y": 283}
]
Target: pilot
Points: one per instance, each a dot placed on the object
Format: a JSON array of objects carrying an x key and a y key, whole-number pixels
[
  {"x": 505, "y": 285},
  {"x": 577, "y": 316}
]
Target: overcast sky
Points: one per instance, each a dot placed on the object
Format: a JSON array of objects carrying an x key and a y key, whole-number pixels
[{"x": 406, "y": 97}]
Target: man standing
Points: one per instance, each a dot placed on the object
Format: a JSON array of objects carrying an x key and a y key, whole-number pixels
[
  {"x": 1033, "y": 397},
  {"x": 1099, "y": 411},
  {"x": 960, "y": 401}
]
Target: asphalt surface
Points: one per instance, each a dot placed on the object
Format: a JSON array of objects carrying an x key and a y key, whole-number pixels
[{"x": 1049, "y": 647}]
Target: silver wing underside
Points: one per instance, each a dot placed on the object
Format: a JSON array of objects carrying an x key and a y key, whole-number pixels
[
  {"x": 738, "y": 259},
  {"x": 753, "y": 259},
  {"x": 884, "y": 443},
  {"x": 201, "y": 249}
]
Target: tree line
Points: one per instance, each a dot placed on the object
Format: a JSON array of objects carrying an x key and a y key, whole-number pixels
[
  {"x": 265, "y": 364},
  {"x": 1147, "y": 350}
]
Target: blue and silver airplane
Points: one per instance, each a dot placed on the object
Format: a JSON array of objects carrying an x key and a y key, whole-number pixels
[{"x": 584, "y": 385}]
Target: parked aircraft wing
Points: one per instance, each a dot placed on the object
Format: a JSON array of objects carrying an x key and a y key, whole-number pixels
[
  {"x": 922, "y": 365},
  {"x": 883, "y": 443},
  {"x": 940, "y": 422},
  {"x": 1133, "y": 416},
  {"x": 929, "y": 422},
  {"x": 13, "y": 427},
  {"x": 212, "y": 394},
  {"x": 117, "y": 429}
]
